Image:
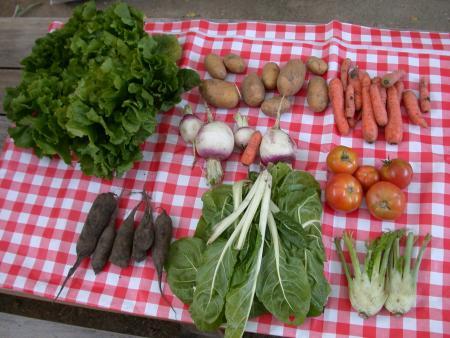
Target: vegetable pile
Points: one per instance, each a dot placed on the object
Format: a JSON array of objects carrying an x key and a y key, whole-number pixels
[
  {"x": 382, "y": 188},
  {"x": 93, "y": 88},
  {"x": 257, "y": 248},
  {"x": 377, "y": 102},
  {"x": 387, "y": 279},
  {"x": 100, "y": 239}
]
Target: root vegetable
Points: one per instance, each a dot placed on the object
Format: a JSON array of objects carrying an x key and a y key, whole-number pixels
[
  {"x": 253, "y": 90},
  {"x": 345, "y": 67},
  {"x": 369, "y": 125},
  {"x": 379, "y": 109},
  {"x": 412, "y": 108},
  {"x": 350, "y": 102},
  {"x": 215, "y": 142},
  {"x": 316, "y": 65},
  {"x": 394, "y": 129},
  {"x": 144, "y": 234},
  {"x": 390, "y": 79},
  {"x": 215, "y": 66},
  {"x": 98, "y": 218},
  {"x": 220, "y": 94},
  {"x": 234, "y": 63},
  {"x": 336, "y": 93},
  {"x": 424, "y": 96},
  {"x": 250, "y": 152},
  {"x": 317, "y": 96},
  {"x": 189, "y": 126},
  {"x": 123, "y": 243},
  {"x": 270, "y": 75},
  {"x": 160, "y": 252},
  {"x": 243, "y": 132},
  {"x": 400, "y": 86},
  {"x": 291, "y": 78},
  {"x": 353, "y": 79},
  {"x": 272, "y": 105}
]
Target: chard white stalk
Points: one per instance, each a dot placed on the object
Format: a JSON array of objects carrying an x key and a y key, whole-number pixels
[
  {"x": 367, "y": 288},
  {"x": 223, "y": 225},
  {"x": 402, "y": 278}
]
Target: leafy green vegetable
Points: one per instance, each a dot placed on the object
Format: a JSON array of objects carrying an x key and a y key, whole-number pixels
[
  {"x": 246, "y": 270},
  {"x": 94, "y": 87},
  {"x": 182, "y": 265}
]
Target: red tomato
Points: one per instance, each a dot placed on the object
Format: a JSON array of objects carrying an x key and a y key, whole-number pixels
[
  {"x": 385, "y": 201},
  {"x": 343, "y": 193},
  {"x": 342, "y": 160},
  {"x": 398, "y": 172},
  {"x": 367, "y": 176}
]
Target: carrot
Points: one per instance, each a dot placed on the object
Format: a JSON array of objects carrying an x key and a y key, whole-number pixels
[
  {"x": 376, "y": 80},
  {"x": 345, "y": 66},
  {"x": 394, "y": 129},
  {"x": 336, "y": 93},
  {"x": 400, "y": 86},
  {"x": 356, "y": 83},
  {"x": 424, "y": 95},
  {"x": 350, "y": 102},
  {"x": 369, "y": 125},
  {"x": 144, "y": 233},
  {"x": 379, "y": 110},
  {"x": 390, "y": 79},
  {"x": 412, "y": 107},
  {"x": 252, "y": 148}
]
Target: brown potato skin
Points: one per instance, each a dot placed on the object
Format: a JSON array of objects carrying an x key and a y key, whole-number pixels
[
  {"x": 270, "y": 75},
  {"x": 317, "y": 96},
  {"x": 291, "y": 78},
  {"x": 270, "y": 106},
  {"x": 234, "y": 63},
  {"x": 220, "y": 94},
  {"x": 253, "y": 91},
  {"x": 215, "y": 66},
  {"x": 316, "y": 65}
]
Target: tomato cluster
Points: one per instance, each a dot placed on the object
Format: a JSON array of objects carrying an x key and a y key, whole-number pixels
[{"x": 384, "y": 197}]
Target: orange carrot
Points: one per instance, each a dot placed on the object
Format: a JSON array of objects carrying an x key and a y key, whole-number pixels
[
  {"x": 345, "y": 66},
  {"x": 369, "y": 125},
  {"x": 381, "y": 89},
  {"x": 412, "y": 107},
  {"x": 399, "y": 85},
  {"x": 349, "y": 102},
  {"x": 424, "y": 95},
  {"x": 379, "y": 110},
  {"x": 391, "y": 78},
  {"x": 394, "y": 129},
  {"x": 356, "y": 83},
  {"x": 336, "y": 93},
  {"x": 252, "y": 148},
  {"x": 377, "y": 80}
]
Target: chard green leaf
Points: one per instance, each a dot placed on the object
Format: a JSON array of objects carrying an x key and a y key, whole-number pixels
[
  {"x": 182, "y": 265},
  {"x": 283, "y": 288},
  {"x": 212, "y": 282},
  {"x": 320, "y": 289}
]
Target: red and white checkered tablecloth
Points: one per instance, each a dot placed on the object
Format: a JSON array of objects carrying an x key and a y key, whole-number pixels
[{"x": 43, "y": 203}]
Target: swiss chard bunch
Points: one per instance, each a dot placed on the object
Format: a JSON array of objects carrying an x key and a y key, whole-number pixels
[
  {"x": 93, "y": 88},
  {"x": 257, "y": 249}
]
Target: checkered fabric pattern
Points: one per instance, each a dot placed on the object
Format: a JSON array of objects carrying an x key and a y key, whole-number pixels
[{"x": 44, "y": 202}]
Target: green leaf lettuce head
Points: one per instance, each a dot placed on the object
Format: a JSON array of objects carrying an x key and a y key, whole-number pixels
[{"x": 93, "y": 89}]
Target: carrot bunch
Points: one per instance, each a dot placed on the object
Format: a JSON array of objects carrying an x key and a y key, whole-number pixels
[{"x": 376, "y": 102}]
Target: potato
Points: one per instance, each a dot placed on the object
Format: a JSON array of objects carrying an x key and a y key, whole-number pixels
[
  {"x": 253, "y": 91},
  {"x": 220, "y": 94},
  {"x": 316, "y": 65},
  {"x": 269, "y": 75},
  {"x": 215, "y": 66},
  {"x": 317, "y": 96},
  {"x": 291, "y": 78},
  {"x": 234, "y": 63},
  {"x": 270, "y": 106}
]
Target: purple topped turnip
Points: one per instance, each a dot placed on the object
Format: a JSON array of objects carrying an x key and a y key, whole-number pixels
[{"x": 243, "y": 132}]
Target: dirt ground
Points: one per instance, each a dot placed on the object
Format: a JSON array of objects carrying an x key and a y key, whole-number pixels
[{"x": 416, "y": 15}]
